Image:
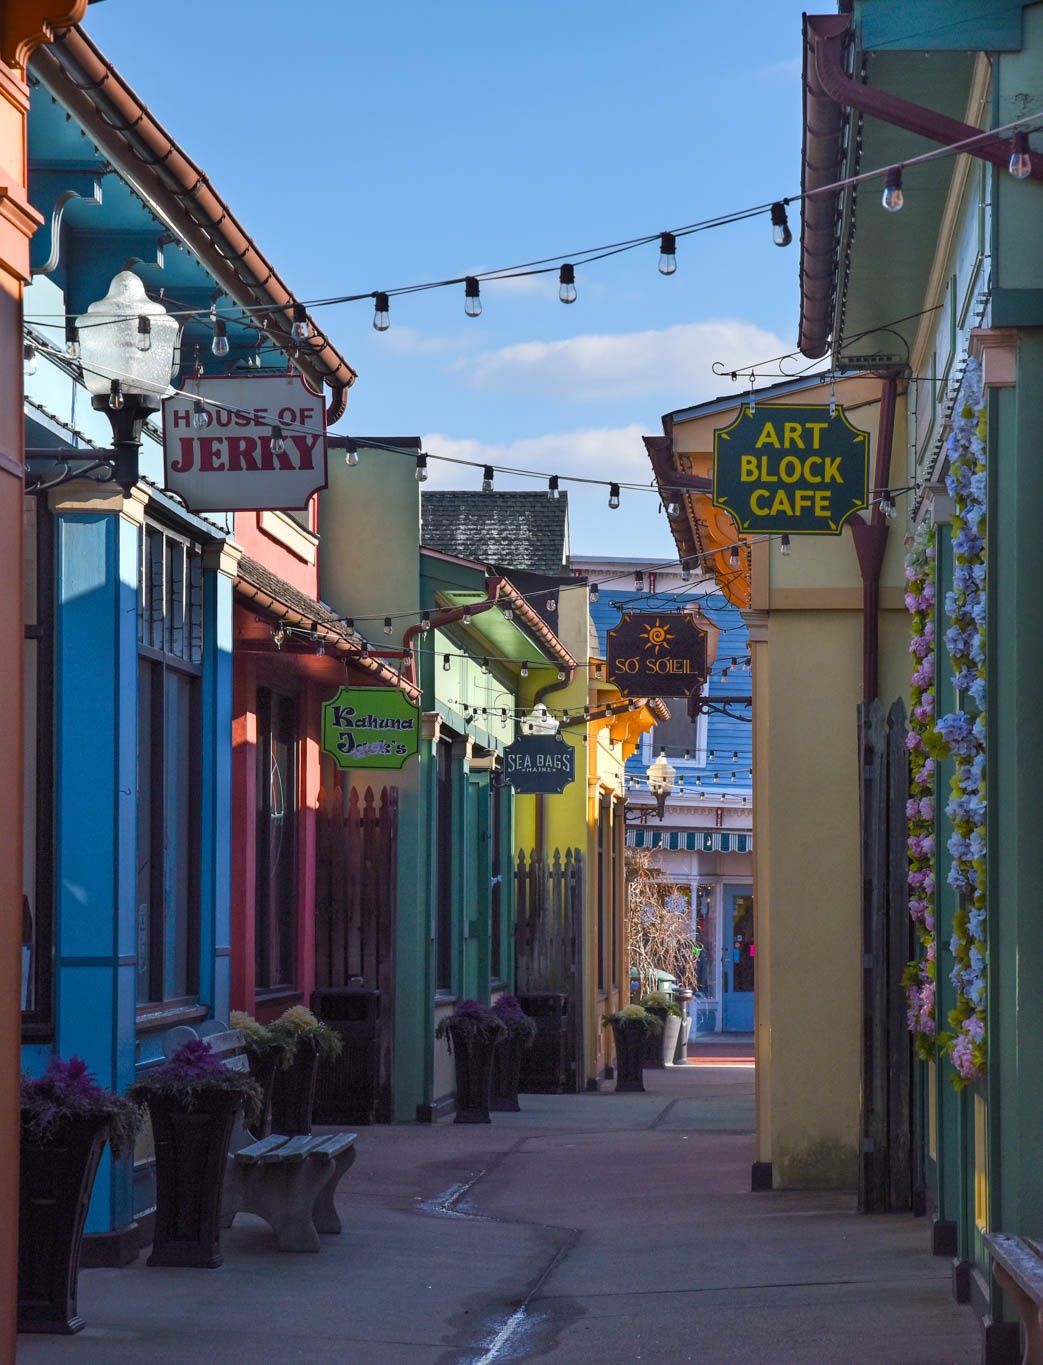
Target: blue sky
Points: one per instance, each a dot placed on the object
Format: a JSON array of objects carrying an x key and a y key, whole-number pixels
[{"x": 370, "y": 146}]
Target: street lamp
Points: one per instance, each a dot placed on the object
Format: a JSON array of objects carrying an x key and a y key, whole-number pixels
[
  {"x": 661, "y": 781},
  {"x": 128, "y": 349}
]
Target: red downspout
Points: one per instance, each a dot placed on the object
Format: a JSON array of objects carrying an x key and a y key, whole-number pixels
[
  {"x": 871, "y": 541},
  {"x": 493, "y": 587}
]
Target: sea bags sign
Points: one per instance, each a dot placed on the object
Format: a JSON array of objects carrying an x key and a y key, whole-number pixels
[
  {"x": 657, "y": 654},
  {"x": 245, "y": 443},
  {"x": 792, "y": 469},
  {"x": 370, "y": 727},
  {"x": 542, "y": 764}
]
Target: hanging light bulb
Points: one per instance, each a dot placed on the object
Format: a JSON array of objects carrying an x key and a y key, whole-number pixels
[
  {"x": 72, "y": 338},
  {"x": 525, "y": 668},
  {"x": 466, "y": 618},
  {"x": 734, "y": 558},
  {"x": 351, "y": 457},
  {"x": 485, "y": 665},
  {"x": 200, "y": 416},
  {"x": 445, "y": 663},
  {"x": 29, "y": 359},
  {"x": 472, "y": 300},
  {"x": 561, "y": 675},
  {"x": 893, "y": 198},
  {"x": 487, "y": 479},
  {"x": 552, "y": 487},
  {"x": 508, "y": 613},
  {"x": 673, "y": 508},
  {"x": 388, "y": 627},
  {"x": 381, "y": 312},
  {"x": 594, "y": 593},
  {"x": 300, "y": 331},
  {"x": 887, "y": 506},
  {"x": 686, "y": 572},
  {"x": 115, "y": 395},
  {"x": 780, "y": 229},
  {"x": 639, "y": 581},
  {"x": 784, "y": 546},
  {"x": 144, "y": 337},
  {"x": 219, "y": 345},
  {"x": 1021, "y": 157},
  {"x": 567, "y": 284},
  {"x": 551, "y": 604},
  {"x": 421, "y": 469},
  {"x": 613, "y": 495},
  {"x": 278, "y": 441},
  {"x": 425, "y": 621},
  {"x": 832, "y": 395},
  {"x": 752, "y": 404},
  {"x": 667, "y": 253}
]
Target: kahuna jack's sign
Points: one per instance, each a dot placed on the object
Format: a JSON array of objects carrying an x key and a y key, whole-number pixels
[
  {"x": 244, "y": 443},
  {"x": 791, "y": 469}
]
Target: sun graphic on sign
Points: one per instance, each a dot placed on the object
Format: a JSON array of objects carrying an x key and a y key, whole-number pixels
[{"x": 657, "y": 636}]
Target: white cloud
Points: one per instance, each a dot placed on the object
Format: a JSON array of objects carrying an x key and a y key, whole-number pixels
[
  {"x": 410, "y": 341},
  {"x": 790, "y": 66},
  {"x": 676, "y": 361}
]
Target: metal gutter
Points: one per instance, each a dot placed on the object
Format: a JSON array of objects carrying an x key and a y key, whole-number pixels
[{"x": 121, "y": 126}]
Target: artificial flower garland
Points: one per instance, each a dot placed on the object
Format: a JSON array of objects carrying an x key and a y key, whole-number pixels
[
  {"x": 961, "y": 734},
  {"x": 919, "y": 977},
  {"x": 963, "y": 731}
]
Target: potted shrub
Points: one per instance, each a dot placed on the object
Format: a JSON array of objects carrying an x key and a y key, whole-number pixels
[
  {"x": 660, "y": 1050},
  {"x": 192, "y": 1101},
  {"x": 507, "y": 1057},
  {"x": 631, "y": 1026},
  {"x": 302, "y": 1040},
  {"x": 66, "y": 1118},
  {"x": 472, "y": 1032},
  {"x": 265, "y": 1051}
]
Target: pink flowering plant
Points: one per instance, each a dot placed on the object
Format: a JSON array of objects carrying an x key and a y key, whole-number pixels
[
  {"x": 925, "y": 748},
  {"x": 964, "y": 732},
  {"x": 66, "y": 1095}
]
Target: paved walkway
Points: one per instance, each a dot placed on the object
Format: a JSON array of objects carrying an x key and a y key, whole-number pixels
[{"x": 587, "y": 1228}]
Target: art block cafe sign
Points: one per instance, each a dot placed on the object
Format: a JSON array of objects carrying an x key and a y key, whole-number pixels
[
  {"x": 541, "y": 764},
  {"x": 657, "y": 654},
  {"x": 245, "y": 443},
  {"x": 792, "y": 469},
  {"x": 370, "y": 727}
]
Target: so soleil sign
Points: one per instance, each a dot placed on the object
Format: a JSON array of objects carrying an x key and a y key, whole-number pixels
[{"x": 243, "y": 443}]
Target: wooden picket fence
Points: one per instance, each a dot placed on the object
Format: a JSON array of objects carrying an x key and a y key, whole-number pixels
[
  {"x": 548, "y": 938},
  {"x": 355, "y": 895}
]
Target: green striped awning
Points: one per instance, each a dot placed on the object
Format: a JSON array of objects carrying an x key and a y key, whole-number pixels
[{"x": 691, "y": 840}]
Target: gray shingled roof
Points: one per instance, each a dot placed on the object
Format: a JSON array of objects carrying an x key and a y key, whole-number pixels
[{"x": 520, "y": 530}]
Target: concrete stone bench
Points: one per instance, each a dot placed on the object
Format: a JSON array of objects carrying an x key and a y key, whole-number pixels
[
  {"x": 290, "y": 1182},
  {"x": 1017, "y": 1267}
]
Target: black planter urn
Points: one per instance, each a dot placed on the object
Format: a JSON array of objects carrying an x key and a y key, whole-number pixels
[
  {"x": 473, "y": 1051},
  {"x": 55, "y": 1184},
  {"x": 293, "y": 1093},
  {"x": 630, "y": 1048},
  {"x": 191, "y": 1154},
  {"x": 507, "y": 1059},
  {"x": 263, "y": 1070}
]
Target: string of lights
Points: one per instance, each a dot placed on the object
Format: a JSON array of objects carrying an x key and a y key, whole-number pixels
[{"x": 565, "y": 263}]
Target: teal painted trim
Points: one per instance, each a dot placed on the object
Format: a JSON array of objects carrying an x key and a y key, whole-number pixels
[
  {"x": 1017, "y": 308},
  {"x": 1015, "y": 857},
  {"x": 941, "y": 26},
  {"x": 97, "y": 558},
  {"x": 215, "y": 892}
]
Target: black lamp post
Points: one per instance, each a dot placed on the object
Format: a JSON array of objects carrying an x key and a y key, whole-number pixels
[{"x": 128, "y": 352}]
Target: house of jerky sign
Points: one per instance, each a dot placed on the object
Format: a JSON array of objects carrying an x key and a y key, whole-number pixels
[
  {"x": 792, "y": 469},
  {"x": 544, "y": 764},
  {"x": 370, "y": 727},
  {"x": 657, "y": 654}
]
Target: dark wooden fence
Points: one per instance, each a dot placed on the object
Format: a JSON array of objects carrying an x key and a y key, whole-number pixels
[
  {"x": 548, "y": 937},
  {"x": 885, "y": 1183},
  {"x": 355, "y": 894}
]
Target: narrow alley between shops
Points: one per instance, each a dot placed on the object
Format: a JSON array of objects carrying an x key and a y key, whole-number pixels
[{"x": 587, "y": 1227}]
